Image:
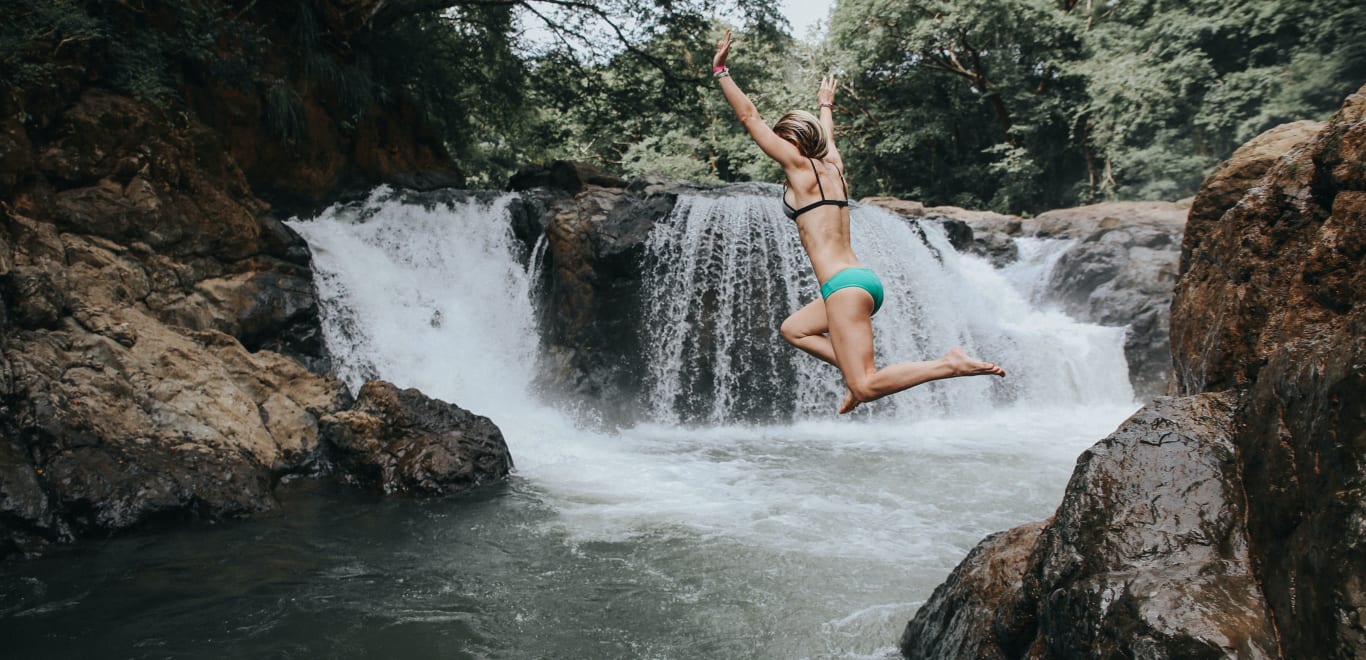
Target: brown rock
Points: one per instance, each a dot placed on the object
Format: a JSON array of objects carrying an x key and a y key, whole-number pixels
[
  {"x": 976, "y": 613},
  {"x": 1272, "y": 300},
  {"x": 1234, "y": 177}
]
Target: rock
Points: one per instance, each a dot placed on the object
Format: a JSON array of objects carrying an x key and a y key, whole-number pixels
[
  {"x": 975, "y": 612},
  {"x": 1147, "y": 556},
  {"x": 400, "y": 441},
  {"x": 1271, "y": 301},
  {"x": 1120, "y": 272},
  {"x": 595, "y": 264},
  {"x": 1228, "y": 521},
  {"x": 567, "y": 175},
  {"x": 983, "y": 233},
  {"x": 158, "y": 322},
  {"x": 1234, "y": 177}
]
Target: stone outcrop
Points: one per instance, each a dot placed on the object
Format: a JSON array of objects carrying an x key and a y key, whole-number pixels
[
  {"x": 1119, "y": 271},
  {"x": 1147, "y": 555},
  {"x": 593, "y": 268},
  {"x": 1227, "y": 521},
  {"x": 401, "y": 441},
  {"x": 1273, "y": 301},
  {"x": 159, "y": 329},
  {"x": 977, "y": 612}
]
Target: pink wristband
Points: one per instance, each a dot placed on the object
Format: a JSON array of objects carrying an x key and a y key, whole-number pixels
[
  {"x": 718, "y": 69},
  {"x": 828, "y": 104}
]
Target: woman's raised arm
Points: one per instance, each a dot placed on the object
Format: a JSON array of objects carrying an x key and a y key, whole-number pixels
[
  {"x": 826, "y": 98},
  {"x": 777, "y": 148}
]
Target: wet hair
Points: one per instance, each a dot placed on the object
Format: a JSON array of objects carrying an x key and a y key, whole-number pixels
[{"x": 803, "y": 129}]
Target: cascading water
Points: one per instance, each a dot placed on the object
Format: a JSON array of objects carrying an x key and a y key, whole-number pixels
[
  {"x": 815, "y": 537},
  {"x": 729, "y": 268}
]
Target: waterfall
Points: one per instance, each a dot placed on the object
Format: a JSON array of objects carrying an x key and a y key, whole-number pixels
[
  {"x": 434, "y": 296},
  {"x": 729, "y": 268},
  {"x": 430, "y": 296}
]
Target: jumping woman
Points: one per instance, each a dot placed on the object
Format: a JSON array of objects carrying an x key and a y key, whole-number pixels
[{"x": 838, "y": 326}]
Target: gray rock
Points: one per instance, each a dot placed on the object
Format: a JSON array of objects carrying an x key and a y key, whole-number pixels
[
  {"x": 1147, "y": 556},
  {"x": 401, "y": 441}
]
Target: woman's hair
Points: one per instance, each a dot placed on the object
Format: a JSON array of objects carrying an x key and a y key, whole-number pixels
[{"x": 804, "y": 130}]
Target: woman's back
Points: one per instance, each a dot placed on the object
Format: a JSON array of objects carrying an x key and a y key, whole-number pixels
[{"x": 818, "y": 198}]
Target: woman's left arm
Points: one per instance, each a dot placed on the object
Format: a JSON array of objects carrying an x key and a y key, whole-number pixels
[{"x": 826, "y": 98}]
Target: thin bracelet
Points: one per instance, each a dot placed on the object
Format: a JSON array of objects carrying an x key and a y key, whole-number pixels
[
  {"x": 828, "y": 104},
  {"x": 723, "y": 73}
]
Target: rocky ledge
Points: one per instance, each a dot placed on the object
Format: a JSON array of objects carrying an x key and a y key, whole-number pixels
[
  {"x": 162, "y": 355},
  {"x": 1226, "y": 521}
]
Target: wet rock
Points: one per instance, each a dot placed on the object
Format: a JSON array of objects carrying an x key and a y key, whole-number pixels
[
  {"x": 149, "y": 307},
  {"x": 1271, "y": 302},
  {"x": 976, "y": 613},
  {"x": 401, "y": 441},
  {"x": 1148, "y": 553},
  {"x": 1146, "y": 556},
  {"x": 1228, "y": 522},
  {"x": 594, "y": 267},
  {"x": 1121, "y": 272}
]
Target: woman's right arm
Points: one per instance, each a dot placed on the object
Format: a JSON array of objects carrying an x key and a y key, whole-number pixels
[{"x": 775, "y": 147}]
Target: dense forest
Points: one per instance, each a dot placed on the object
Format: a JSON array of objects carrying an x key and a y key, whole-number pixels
[{"x": 1015, "y": 105}]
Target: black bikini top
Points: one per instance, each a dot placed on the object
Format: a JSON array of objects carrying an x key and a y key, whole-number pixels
[{"x": 793, "y": 213}]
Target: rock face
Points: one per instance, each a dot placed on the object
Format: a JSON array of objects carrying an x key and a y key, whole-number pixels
[
  {"x": 594, "y": 265},
  {"x": 158, "y": 325},
  {"x": 1147, "y": 555},
  {"x": 977, "y": 612},
  {"x": 403, "y": 441},
  {"x": 1271, "y": 301},
  {"x": 1119, "y": 271},
  {"x": 1228, "y": 521}
]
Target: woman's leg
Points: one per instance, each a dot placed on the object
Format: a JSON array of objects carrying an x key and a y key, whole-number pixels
[
  {"x": 806, "y": 330},
  {"x": 849, "y": 314}
]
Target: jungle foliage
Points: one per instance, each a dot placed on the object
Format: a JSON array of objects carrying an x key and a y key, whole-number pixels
[{"x": 1016, "y": 105}]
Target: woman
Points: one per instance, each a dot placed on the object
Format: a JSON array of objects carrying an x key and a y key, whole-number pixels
[{"x": 838, "y": 326}]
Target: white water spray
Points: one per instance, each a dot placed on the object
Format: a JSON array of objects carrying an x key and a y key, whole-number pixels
[{"x": 730, "y": 268}]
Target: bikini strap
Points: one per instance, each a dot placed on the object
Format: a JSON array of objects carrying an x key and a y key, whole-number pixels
[
  {"x": 843, "y": 181},
  {"x": 818, "y": 178}
]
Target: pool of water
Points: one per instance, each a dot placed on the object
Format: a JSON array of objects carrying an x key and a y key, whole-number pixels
[{"x": 815, "y": 540}]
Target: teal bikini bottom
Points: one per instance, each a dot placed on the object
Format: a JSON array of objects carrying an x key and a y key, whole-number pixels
[{"x": 862, "y": 278}]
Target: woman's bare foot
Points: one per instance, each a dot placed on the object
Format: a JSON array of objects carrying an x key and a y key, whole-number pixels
[
  {"x": 850, "y": 403},
  {"x": 962, "y": 365}
]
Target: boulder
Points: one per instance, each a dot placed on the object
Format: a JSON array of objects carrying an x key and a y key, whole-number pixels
[
  {"x": 1227, "y": 521},
  {"x": 158, "y": 328},
  {"x": 1271, "y": 302},
  {"x": 565, "y": 175},
  {"x": 1120, "y": 272},
  {"x": 401, "y": 441},
  {"x": 1146, "y": 556},
  {"x": 976, "y": 613},
  {"x": 591, "y": 293}
]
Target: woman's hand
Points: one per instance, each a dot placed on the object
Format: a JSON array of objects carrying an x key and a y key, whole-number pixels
[
  {"x": 826, "y": 95},
  {"x": 722, "y": 50}
]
